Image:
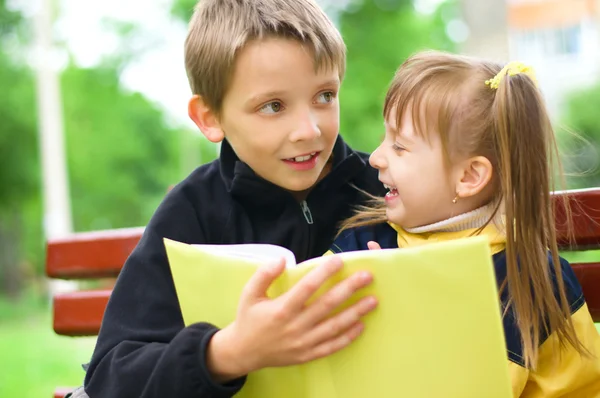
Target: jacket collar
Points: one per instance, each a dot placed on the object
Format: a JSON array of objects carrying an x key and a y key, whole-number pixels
[{"x": 243, "y": 183}]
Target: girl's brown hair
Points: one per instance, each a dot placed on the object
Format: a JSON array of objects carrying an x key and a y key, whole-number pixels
[{"x": 510, "y": 126}]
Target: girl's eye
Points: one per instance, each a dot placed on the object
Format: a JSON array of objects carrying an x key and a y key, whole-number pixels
[
  {"x": 397, "y": 147},
  {"x": 271, "y": 108},
  {"x": 326, "y": 97}
]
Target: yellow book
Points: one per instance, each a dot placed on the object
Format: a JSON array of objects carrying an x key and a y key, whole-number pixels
[{"x": 437, "y": 331}]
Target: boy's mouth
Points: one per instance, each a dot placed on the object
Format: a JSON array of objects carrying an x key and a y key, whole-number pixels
[
  {"x": 392, "y": 191},
  {"x": 302, "y": 158}
]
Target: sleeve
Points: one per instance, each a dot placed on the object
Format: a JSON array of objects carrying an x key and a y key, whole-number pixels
[
  {"x": 565, "y": 370},
  {"x": 143, "y": 349}
]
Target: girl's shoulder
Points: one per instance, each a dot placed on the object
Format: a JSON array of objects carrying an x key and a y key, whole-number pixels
[{"x": 573, "y": 289}]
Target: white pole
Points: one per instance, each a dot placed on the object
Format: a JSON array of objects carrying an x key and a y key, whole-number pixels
[
  {"x": 57, "y": 207},
  {"x": 487, "y": 22}
]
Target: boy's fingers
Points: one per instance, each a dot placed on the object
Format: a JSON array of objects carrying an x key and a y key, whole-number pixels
[
  {"x": 339, "y": 342},
  {"x": 334, "y": 297},
  {"x": 299, "y": 294},
  {"x": 341, "y": 322},
  {"x": 373, "y": 245},
  {"x": 257, "y": 286}
]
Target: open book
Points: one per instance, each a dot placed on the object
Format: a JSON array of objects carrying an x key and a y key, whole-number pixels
[{"x": 437, "y": 331}]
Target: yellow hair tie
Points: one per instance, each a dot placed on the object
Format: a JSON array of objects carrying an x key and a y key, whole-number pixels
[{"x": 511, "y": 69}]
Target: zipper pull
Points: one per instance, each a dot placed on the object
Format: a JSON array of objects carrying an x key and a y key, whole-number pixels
[{"x": 306, "y": 212}]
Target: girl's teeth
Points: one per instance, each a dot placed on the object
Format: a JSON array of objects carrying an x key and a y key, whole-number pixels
[{"x": 392, "y": 192}]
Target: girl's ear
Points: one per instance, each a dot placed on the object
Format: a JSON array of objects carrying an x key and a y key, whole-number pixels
[
  {"x": 474, "y": 174},
  {"x": 205, "y": 119}
]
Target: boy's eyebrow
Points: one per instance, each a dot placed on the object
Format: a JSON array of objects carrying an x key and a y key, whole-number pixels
[
  {"x": 332, "y": 82},
  {"x": 280, "y": 93},
  {"x": 264, "y": 96}
]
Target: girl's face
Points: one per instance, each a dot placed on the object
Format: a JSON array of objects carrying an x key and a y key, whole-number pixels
[{"x": 421, "y": 187}]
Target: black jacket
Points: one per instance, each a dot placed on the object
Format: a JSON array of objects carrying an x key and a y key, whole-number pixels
[{"x": 143, "y": 348}]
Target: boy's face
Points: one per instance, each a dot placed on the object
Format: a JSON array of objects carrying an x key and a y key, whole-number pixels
[{"x": 280, "y": 115}]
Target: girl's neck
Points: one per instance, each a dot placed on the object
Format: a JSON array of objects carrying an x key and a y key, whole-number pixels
[{"x": 471, "y": 220}]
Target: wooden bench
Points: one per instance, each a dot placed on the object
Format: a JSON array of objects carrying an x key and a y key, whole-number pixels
[{"x": 101, "y": 254}]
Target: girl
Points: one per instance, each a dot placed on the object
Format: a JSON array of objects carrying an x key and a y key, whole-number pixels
[{"x": 468, "y": 149}]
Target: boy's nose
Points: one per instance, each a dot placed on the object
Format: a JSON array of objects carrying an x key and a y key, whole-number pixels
[
  {"x": 377, "y": 159},
  {"x": 307, "y": 128}
]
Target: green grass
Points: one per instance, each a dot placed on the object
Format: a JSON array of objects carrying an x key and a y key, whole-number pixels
[{"x": 34, "y": 360}]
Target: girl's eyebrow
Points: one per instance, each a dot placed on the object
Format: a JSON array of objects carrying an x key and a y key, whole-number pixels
[{"x": 403, "y": 137}]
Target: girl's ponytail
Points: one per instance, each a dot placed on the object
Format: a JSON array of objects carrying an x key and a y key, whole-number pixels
[{"x": 526, "y": 148}]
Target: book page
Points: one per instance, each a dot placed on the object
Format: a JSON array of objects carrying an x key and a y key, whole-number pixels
[
  {"x": 255, "y": 252},
  {"x": 437, "y": 331}
]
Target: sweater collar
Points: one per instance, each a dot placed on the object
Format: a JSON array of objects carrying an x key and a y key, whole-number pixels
[{"x": 465, "y": 225}]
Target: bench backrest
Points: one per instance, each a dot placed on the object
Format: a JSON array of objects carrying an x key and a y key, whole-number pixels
[{"x": 101, "y": 254}]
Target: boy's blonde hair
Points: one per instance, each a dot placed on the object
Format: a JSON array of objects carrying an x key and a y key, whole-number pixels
[
  {"x": 220, "y": 28},
  {"x": 447, "y": 95}
]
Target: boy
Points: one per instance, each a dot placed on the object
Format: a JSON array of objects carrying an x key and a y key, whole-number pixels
[{"x": 265, "y": 75}]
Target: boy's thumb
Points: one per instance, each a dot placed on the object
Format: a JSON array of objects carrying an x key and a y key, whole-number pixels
[{"x": 263, "y": 278}]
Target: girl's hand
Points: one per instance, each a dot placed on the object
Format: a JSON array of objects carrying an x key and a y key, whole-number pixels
[
  {"x": 285, "y": 330},
  {"x": 372, "y": 245}
]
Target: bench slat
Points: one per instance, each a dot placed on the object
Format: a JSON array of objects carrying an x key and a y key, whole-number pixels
[
  {"x": 91, "y": 255},
  {"x": 61, "y": 392},
  {"x": 588, "y": 275},
  {"x": 585, "y": 215},
  {"x": 79, "y": 313}
]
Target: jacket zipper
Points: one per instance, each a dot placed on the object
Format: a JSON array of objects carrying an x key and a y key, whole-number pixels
[{"x": 306, "y": 211}]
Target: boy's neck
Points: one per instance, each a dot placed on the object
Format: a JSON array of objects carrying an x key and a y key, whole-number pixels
[{"x": 471, "y": 220}]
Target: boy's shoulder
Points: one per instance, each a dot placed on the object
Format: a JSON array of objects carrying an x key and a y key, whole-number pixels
[{"x": 354, "y": 239}]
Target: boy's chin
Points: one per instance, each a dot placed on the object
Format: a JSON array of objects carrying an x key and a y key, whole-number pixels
[{"x": 300, "y": 186}]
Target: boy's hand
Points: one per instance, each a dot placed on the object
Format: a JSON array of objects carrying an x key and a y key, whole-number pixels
[{"x": 286, "y": 331}]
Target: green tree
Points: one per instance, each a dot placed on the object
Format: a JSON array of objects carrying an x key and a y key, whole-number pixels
[
  {"x": 19, "y": 175},
  {"x": 581, "y": 146},
  {"x": 122, "y": 155}
]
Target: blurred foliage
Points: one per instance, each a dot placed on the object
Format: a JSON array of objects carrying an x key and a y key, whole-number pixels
[
  {"x": 122, "y": 153},
  {"x": 19, "y": 167},
  {"x": 581, "y": 140},
  {"x": 18, "y": 142},
  {"x": 122, "y": 156}
]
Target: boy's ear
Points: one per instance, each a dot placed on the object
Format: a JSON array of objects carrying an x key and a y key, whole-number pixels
[
  {"x": 205, "y": 119},
  {"x": 474, "y": 175}
]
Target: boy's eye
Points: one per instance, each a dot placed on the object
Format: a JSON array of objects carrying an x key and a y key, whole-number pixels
[
  {"x": 271, "y": 107},
  {"x": 326, "y": 97}
]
